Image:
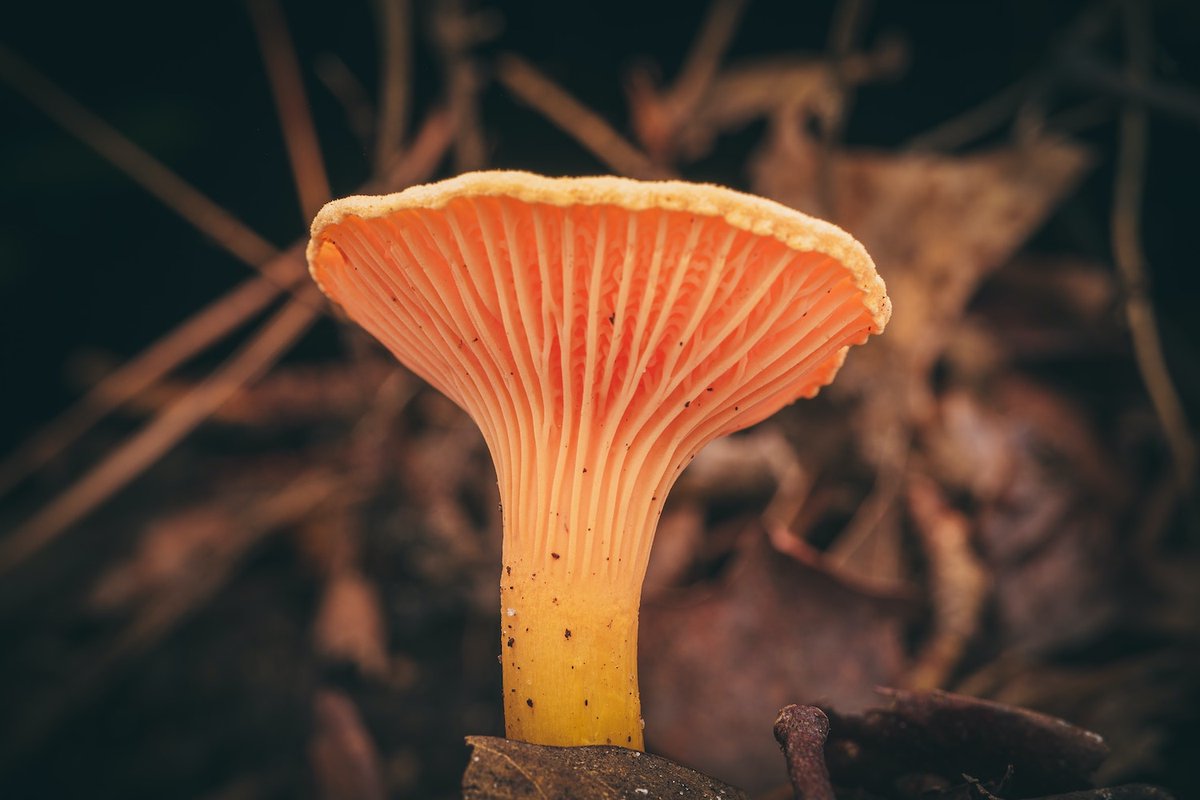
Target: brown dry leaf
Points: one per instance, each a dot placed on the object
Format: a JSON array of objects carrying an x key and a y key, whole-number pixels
[
  {"x": 741, "y": 470},
  {"x": 501, "y": 769},
  {"x": 440, "y": 468},
  {"x": 291, "y": 395},
  {"x": 679, "y": 537},
  {"x": 968, "y": 448},
  {"x": 344, "y": 760},
  {"x": 748, "y": 90},
  {"x": 1134, "y": 791},
  {"x": 1131, "y": 701},
  {"x": 924, "y": 736},
  {"x": 935, "y": 225},
  {"x": 936, "y": 746},
  {"x": 171, "y": 547},
  {"x": 721, "y": 659},
  {"x": 929, "y": 221},
  {"x": 1041, "y": 307},
  {"x": 1048, "y": 501},
  {"x": 350, "y": 625}
]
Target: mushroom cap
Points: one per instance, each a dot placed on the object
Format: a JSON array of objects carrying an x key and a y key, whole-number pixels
[{"x": 582, "y": 293}]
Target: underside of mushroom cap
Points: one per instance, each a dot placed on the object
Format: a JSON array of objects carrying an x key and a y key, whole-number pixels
[
  {"x": 746, "y": 212},
  {"x": 502, "y": 238},
  {"x": 576, "y": 318}
]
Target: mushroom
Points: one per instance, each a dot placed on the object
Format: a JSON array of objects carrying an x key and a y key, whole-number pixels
[{"x": 600, "y": 331}]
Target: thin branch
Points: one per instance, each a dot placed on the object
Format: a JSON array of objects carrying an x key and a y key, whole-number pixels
[
  {"x": 293, "y": 502},
  {"x": 350, "y": 94},
  {"x": 890, "y": 481},
  {"x": 395, "y": 27},
  {"x": 959, "y": 584},
  {"x": 974, "y": 123},
  {"x": 1026, "y": 98},
  {"x": 766, "y": 87},
  {"x": 1131, "y": 260},
  {"x": 145, "y": 170},
  {"x": 659, "y": 118},
  {"x": 849, "y": 17},
  {"x": 291, "y": 103},
  {"x": 192, "y": 336},
  {"x": 1088, "y": 114},
  {"x": 529, "y": 85},
  {"x": 1087, "y": 72},
  {"x": 716, "y": 34},
  {"x": 420, "y": 160},
  {"x": 210, "y": 324},
  {"x": 130, "y": 459},
  {"x": 456, "y": 32}
]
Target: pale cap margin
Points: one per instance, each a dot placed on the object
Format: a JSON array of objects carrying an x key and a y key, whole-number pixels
[{"x": 756, "y": 215}]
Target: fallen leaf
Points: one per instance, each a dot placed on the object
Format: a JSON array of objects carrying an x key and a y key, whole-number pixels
[
  {"x": 945, "y": 735},
  {"x": 344, "y": 760},
  {"x": 171, "y": 548},
  {"x": 1040, "y": 308},
  {"x": 1050, "y": 535},
  {"x": 1134, "y": 791},
  {"x": 1131, "y": 700},
  {"x": 717, "y": 660},
  {"x": 935, "y": 225},
  {"x": 502, "y": 769},
  {"x": 350, "y": 625},
  {"x": 677, "y": 541},
  {"x": 291, "y": 395}
]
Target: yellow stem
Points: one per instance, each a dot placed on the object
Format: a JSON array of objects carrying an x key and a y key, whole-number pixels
[{"x": 569, "y": 650}]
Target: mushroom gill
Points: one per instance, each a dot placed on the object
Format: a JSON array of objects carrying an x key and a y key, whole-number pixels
[{"x": 600, "y": 331}]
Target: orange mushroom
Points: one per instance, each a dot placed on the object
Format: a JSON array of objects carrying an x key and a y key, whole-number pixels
[{"x": 600, "y": 331}]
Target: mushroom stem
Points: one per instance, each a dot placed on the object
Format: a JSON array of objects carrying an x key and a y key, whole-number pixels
[
  {"x": 570, "y": 666},
  {"x": 575, "y": 553}
]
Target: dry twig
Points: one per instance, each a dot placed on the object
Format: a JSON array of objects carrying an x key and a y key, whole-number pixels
[
  {"x": 130, "y": 459},
  {"x": 973, "y": 123},
  {"x": 420, "y": 160},
  {"x": 149, "y": 173},
  {"x": 195, "y": 334},
  {"x": 959, "y": 584},
  {"x": 456, "y": 31},
  {"x": 290, "y": 504},
  {"x": 183, "y": 415},
  {"x": 1024, "y": 99},
  {"x": 350, "y": 94},
  {"x": 658, "y": 117},
  {"x": 848, "y": 19},
  {"x": 291, "y": 105},
  {"x": 1131, "y": 260},
  {"x": 395, "y": 29},
  {"x": 781, "y": 86},
  {"x": 716, "y": 33},
  {"x": 868, "y": 520},
  {"x": 588, "y": 128}
]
